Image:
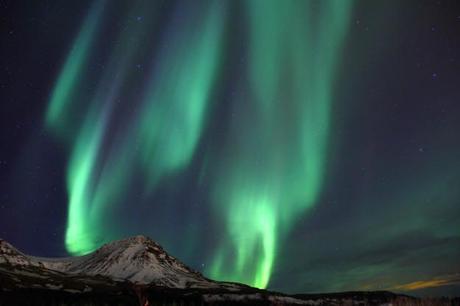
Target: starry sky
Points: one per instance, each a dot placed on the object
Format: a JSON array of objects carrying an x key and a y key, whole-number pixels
[{"x": 301, "y": 146}]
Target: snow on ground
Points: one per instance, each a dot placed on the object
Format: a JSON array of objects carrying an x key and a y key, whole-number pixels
[{"x": 276, "y": 300}]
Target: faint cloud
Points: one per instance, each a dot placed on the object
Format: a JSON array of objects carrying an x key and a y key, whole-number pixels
[{"x": 445, "y": 280}]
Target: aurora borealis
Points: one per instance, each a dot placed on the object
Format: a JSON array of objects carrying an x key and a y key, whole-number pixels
[
  {"x": 165, "y": 129},
  {"x": 304, "y": 146}
]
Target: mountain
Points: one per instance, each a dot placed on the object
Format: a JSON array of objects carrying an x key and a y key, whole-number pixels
[
  {"x": 138, "y": 260},
  {"x": 138, "y": 271}
]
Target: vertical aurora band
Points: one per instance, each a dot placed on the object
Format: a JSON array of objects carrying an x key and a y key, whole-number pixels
[
  {"x": 65, "y": 88},
  {"x": 269, "y": 174},
  {"x": 274, "y": 169},
  {"x": 165, "y": 130}
]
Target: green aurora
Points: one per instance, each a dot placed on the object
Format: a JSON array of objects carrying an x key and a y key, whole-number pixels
[
  {"x": 165, "y": 130},
  {"x": 304, "y": 146},
  {"x": 268, "y": 142},
  {"x": 271, "y": 173}
]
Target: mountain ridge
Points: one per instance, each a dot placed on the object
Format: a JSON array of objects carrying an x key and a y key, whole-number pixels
[{"x": 136, "y": 259}]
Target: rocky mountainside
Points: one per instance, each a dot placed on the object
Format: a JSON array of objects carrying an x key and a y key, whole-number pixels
[
  {"x": 10, "y": 255},
  {"x": 138, "y": 260}
]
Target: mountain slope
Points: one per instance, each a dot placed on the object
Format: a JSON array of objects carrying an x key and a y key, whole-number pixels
[
  {"x": 137, "y": 259},
  {"x": 10, "y": 255}
]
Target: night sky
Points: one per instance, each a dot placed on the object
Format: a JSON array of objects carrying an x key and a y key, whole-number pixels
[{"x": 301, "y": 146}]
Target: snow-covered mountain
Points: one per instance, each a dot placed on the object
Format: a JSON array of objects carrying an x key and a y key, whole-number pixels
[
  {"x": 137, "y": 271},
  {"x": 137, "y": 259}
]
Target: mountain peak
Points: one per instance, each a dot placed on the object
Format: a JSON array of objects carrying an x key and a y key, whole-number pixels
[
  {"x": 132, "y": 241},
  {"x": 141, "y": 239},
  {"x": 140, "y": 260},
  {"x": 135, "y": 239}
]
